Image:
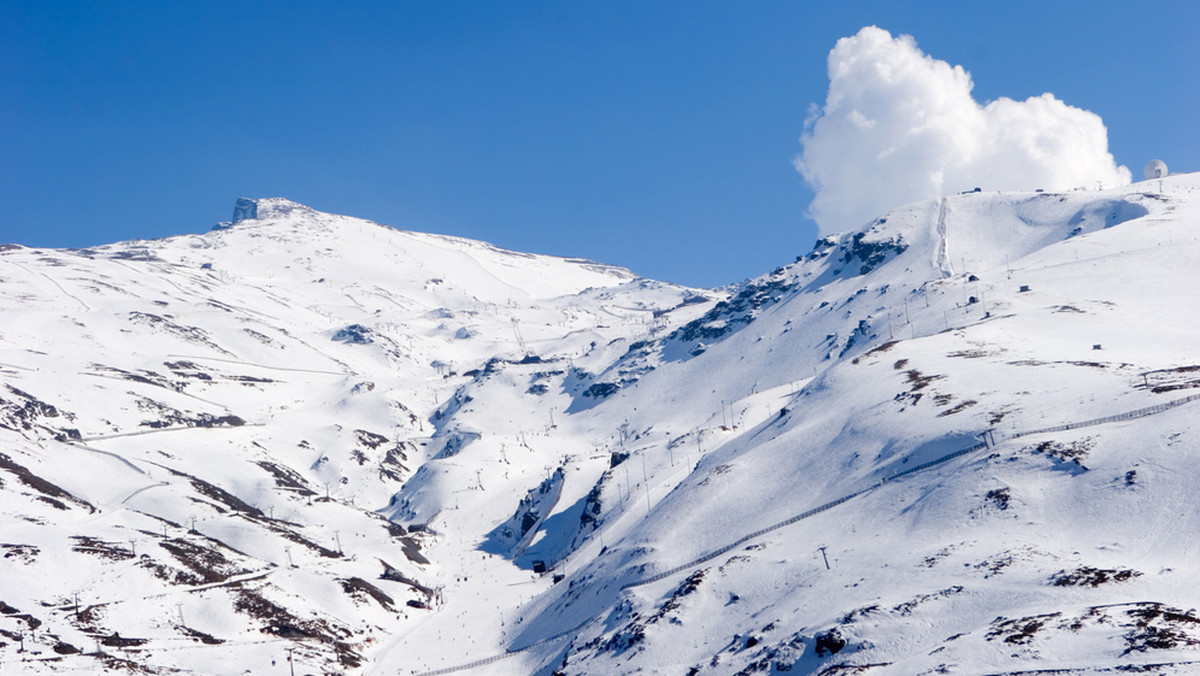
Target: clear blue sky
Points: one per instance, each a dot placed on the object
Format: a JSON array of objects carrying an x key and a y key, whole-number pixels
[{"x": 654, "y": 135}]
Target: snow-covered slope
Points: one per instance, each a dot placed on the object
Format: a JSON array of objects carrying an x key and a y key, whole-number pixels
[
  {"x": 198, "y": 431},
  {"x": 389, "y": 452}
]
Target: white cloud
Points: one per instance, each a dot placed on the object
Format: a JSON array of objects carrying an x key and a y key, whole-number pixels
[{"x": 900, "y": 126}]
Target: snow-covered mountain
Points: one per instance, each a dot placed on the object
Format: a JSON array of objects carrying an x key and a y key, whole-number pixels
[{"x": 960, "y": 440}]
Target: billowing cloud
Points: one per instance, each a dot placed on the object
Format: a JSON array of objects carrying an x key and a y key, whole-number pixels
[{"x": 900, "y": 126}]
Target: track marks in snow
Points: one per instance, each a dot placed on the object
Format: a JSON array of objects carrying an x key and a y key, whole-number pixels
[
  {"x": 143, "y": 489},
  {"x": 261, "y": 366},
  {"x": 162, "y": 430},
  {"x": 120, "y": 458},
  {"x": 53, "y": 281}
]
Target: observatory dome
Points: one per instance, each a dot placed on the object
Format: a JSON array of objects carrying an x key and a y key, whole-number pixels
[{"x": 1155, "y": 169}]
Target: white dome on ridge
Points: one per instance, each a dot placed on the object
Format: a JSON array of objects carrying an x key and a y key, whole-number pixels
[{"x": 1155, "y": 169}]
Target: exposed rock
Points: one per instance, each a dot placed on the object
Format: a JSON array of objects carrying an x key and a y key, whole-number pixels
[
  {"x": 244, "y": 209},
  {"x": 829, "y": 643}
]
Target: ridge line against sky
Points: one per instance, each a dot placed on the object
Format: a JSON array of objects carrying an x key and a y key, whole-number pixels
[{"x": 655, "y": 136}]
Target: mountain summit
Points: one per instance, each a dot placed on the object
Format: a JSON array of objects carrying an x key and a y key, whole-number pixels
[{"x": 958, "y": 440}]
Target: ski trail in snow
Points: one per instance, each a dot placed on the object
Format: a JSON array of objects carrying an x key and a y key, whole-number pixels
[
  {"x": 121, "y": 458},
  {"x": 383, "y": 293},
  {"x": 261, "y": 366},
  {"x": 943, "y": 249},
  {"x": 143, "y": 488},
  {"x": 231, "y": 581},
  {"x": 66, "y": 293},
  {"x": 139, "y": 433},
  {"x": 186, "y": 394},
  {"x": 157, "y": 277}
]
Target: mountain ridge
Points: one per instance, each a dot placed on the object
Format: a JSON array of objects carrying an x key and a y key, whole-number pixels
[{"x": 237, "y": 413}]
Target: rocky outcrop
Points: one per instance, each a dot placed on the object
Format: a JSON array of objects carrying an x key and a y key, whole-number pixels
[{"x": 244, "y": 209}]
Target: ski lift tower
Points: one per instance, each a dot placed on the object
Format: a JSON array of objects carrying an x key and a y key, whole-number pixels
[{"x": 1156, "y": 169}]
